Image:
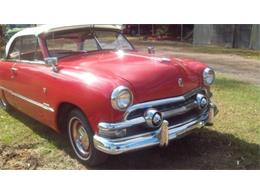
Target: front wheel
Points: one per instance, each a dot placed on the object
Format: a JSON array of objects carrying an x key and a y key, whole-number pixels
[
  {"x": 81, "y": 139},
  {"x": 4, "y": 104}
]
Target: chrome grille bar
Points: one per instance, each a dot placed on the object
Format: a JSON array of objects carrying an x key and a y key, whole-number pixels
[
  {"x": 179, "y": 111},
  {"x": 161, "y": 102}
]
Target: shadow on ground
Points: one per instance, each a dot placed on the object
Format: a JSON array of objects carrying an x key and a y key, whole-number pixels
[{"x": 203, "y": 149}]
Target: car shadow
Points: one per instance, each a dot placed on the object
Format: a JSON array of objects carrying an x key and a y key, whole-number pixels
[{"x": 205, "y": 148}]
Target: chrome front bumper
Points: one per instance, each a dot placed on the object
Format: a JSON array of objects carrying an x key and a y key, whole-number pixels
[{"x": 145, "y": 140}]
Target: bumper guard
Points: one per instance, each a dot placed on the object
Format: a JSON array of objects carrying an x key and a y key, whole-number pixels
[{"x": 157, "y": 137}]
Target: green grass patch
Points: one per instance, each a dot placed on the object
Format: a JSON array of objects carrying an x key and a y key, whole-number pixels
[
  {"x": 239, "y": 104},
  {"x": 248, "y": 53}
]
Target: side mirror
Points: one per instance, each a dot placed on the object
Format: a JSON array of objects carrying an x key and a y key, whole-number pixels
[
  {"x": 151, "y": 50},
  {"x": 52, "y": 61}
]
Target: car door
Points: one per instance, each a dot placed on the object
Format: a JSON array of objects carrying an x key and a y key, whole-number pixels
[
  {"x": 5, "y": 76},
  {"x": 29, "y": 80},
  {"x": 7, "y": 71}
]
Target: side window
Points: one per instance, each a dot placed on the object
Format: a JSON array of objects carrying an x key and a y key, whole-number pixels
[
  {"x": 30, "y": 49},
  {"x": 62, "y": 44},
  {"x": 15, "y": 51},
  {"x": 90, "y": 45}
]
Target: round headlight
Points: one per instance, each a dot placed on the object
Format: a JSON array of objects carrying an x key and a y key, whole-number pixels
[
  {"x": 208, "y": 76},
  {"x": 121, "y": 98}
]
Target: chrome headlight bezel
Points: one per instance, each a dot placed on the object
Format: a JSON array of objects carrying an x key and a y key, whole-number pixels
[
  {"x": 116, "y": 97},
  {"x": 208, "y": 76}
]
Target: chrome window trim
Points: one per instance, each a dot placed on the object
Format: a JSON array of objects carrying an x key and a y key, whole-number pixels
[
  {"x": 24, "y": 61},
  {"x": 44, "y": 106},
  {"x": 40, "y": 62}
]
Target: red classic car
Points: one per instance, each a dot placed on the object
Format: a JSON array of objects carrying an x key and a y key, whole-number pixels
[{"x": 89, "y": 82}]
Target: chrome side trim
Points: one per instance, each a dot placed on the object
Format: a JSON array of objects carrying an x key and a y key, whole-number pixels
[
  {"x": 160, "y": 102},
  {"x": 41, "y": 105},
  {"x": 31, "y": 62},
  {"x": 38, "y": 62}
]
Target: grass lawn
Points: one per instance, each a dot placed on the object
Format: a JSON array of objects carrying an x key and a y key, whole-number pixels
[
  {"x": 248, "y": 53},
  {"x": 232, "y": 143},
  {"x": 239, "y": 119}
]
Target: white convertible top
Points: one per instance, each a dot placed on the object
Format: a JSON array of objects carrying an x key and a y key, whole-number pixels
[{"x": 53, "y": 28}]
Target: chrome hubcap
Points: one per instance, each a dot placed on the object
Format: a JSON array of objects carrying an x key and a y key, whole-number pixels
[
  {"x": 79, "y": 137},
  {"x": 3, "y": 103}
]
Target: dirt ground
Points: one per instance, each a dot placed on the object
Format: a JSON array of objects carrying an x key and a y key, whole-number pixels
[
  {"x": 236, "y": 66},
  {"x": 18, "y": 157}
]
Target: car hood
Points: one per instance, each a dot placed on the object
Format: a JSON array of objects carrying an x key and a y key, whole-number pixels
[{"x": 149, "y": 77}]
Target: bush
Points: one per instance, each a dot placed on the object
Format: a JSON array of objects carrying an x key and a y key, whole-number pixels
[
  {"x": 2, "y": 44},
  {"x": 2, "y": 41},
  {"x": 162, "y": 30}
]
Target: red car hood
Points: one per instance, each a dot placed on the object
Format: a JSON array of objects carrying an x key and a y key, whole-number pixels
[{"x": 149, "y": 77}]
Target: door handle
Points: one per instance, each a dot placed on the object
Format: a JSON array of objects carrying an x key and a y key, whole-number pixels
[
  {"x": 13, "y": 72},
  {"x": 13, "y": 69}
]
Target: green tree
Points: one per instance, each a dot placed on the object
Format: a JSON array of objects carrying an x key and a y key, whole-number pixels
[{"x": 2, "y": 40}]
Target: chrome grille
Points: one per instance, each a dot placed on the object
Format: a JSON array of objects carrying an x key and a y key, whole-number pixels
[{"x": 177, "y": 110}]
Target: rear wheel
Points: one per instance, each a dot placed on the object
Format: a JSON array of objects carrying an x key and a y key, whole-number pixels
[
  {"x": 81, "y": 139},
  {"x": 4, "y": 104}
]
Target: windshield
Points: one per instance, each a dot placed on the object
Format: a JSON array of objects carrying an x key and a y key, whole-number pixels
[{"x": 62, "y": 44}]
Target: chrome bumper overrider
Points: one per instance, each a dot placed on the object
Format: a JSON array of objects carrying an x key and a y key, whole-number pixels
[{"x": 156, "y": 137}]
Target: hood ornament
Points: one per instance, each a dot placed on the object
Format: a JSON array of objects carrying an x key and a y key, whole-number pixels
[{"x": 180, "y": 82}]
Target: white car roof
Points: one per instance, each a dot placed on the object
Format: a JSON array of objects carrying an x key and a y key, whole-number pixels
[{"x": 54, "y": 28}]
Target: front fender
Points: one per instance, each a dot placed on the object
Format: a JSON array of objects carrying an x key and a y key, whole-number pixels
[
  {"x": 192, "y": 67},
  {"x": 91, "y": 93}
]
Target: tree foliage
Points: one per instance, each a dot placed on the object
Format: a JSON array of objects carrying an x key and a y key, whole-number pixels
[
  {"x": 1, "y": 35},
  {"x": 2, "y": 40}
]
